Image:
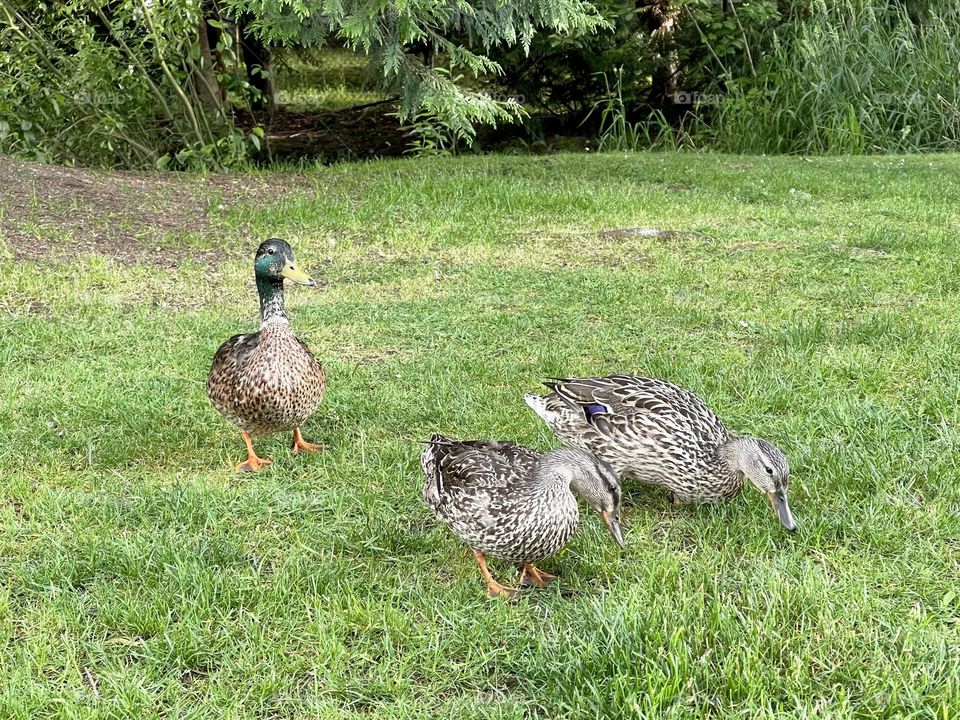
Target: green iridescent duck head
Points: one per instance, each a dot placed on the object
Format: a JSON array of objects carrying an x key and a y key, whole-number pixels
[{"x": 274, "y": 262}]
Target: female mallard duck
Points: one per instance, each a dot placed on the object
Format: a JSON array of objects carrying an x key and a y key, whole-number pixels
[
  {"x": 515, "y": 503},
  {"x": 661, "y": 434},
  {"x": 268, "y": 381}
]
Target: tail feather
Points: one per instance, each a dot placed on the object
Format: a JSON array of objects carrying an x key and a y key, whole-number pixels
[
  {"x": 552, "y": 383},
  {"x": 538, "y": 403},
  {"x": 559, "y": 415}
]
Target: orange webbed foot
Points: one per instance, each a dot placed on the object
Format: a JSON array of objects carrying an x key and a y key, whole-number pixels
[
  {"x": 494, "y": 589},
  {"x": 531, "y": 575},
  {"x": 253, "y": 462},
  {"x": 301, "y": 445}
]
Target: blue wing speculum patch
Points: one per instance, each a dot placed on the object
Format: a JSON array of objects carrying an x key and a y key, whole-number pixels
[{"x": 593, "y": 409}]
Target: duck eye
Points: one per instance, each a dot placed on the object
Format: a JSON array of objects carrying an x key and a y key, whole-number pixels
[{"x": 769, "y": 470}]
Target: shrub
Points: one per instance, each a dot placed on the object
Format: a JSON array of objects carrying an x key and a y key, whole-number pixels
[
  {"x": 854, "y": 76},
  {"x": 125, "y": 84}
]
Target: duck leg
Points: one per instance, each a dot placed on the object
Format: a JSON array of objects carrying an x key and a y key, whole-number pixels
[
  {"x": 533, "y": 575},
  {"x": 253, "y": 462},
  {"x": 494, "y": 588},
  {"x": 301, "y": 445}
]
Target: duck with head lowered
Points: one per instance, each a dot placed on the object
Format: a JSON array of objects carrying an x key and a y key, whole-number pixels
[
  {"x": 514, "y": 503},
  {"x": 268, "y": 381},
  {"x": 659, "y": 433}
]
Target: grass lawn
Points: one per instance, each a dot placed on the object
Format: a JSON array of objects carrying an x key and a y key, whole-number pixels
[
  {"x": 814, "y": 303},
  {"x": 331, "y": 79}
]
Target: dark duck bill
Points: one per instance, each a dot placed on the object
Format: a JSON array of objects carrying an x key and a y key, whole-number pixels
[{"x": 781, "y": 508}]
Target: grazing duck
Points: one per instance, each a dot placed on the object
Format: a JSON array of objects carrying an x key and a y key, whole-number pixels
[
  {"x": 268, "y": 381},
  {"x": 515, "y": 503},
  {"x": 661, "y": 434}
]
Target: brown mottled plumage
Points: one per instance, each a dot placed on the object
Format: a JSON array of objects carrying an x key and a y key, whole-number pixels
[
  {"x": 662, "y": 434},
  {"x": 514, "y": 503},
  {"x": 268, "y": 381}
]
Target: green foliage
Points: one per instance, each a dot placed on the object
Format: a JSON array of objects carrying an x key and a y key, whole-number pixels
[
  {"x": 857, "y": 76},
  {"x": 558, "y": 76},
  {"x": 616, "y": 131},
  {"x": 461, "y": 34},
  {"x": 717, "y": 40},
  {"x": 654, "y": 44},
  {"x": 764, "y": 76},
  {"x": 663, "y": 52},
  {"x": 431, "y": 137},
  {"x": 117, "y": 84}
]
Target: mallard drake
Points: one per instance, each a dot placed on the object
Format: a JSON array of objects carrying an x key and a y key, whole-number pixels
[
  {"x": 661, "y": 434},
  {"x": 268, "y": 381},
  {"x": 514, "y": 503}
]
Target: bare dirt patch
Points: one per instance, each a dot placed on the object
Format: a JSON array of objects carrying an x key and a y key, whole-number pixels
[
  {"x": 646, "y": 232},
  {"x": 48, "y": 211},
  {"x": 358, "y": 133}
]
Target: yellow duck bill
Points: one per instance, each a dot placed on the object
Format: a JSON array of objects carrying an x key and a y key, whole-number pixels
[{"x": 295, "y": 274}]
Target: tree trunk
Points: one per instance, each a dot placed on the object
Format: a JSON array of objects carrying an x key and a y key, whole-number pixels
[
  {"x": 662, "y": 18},
  {"x": 256, "y": 59},
  {"x": 205, "y": 79}
]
